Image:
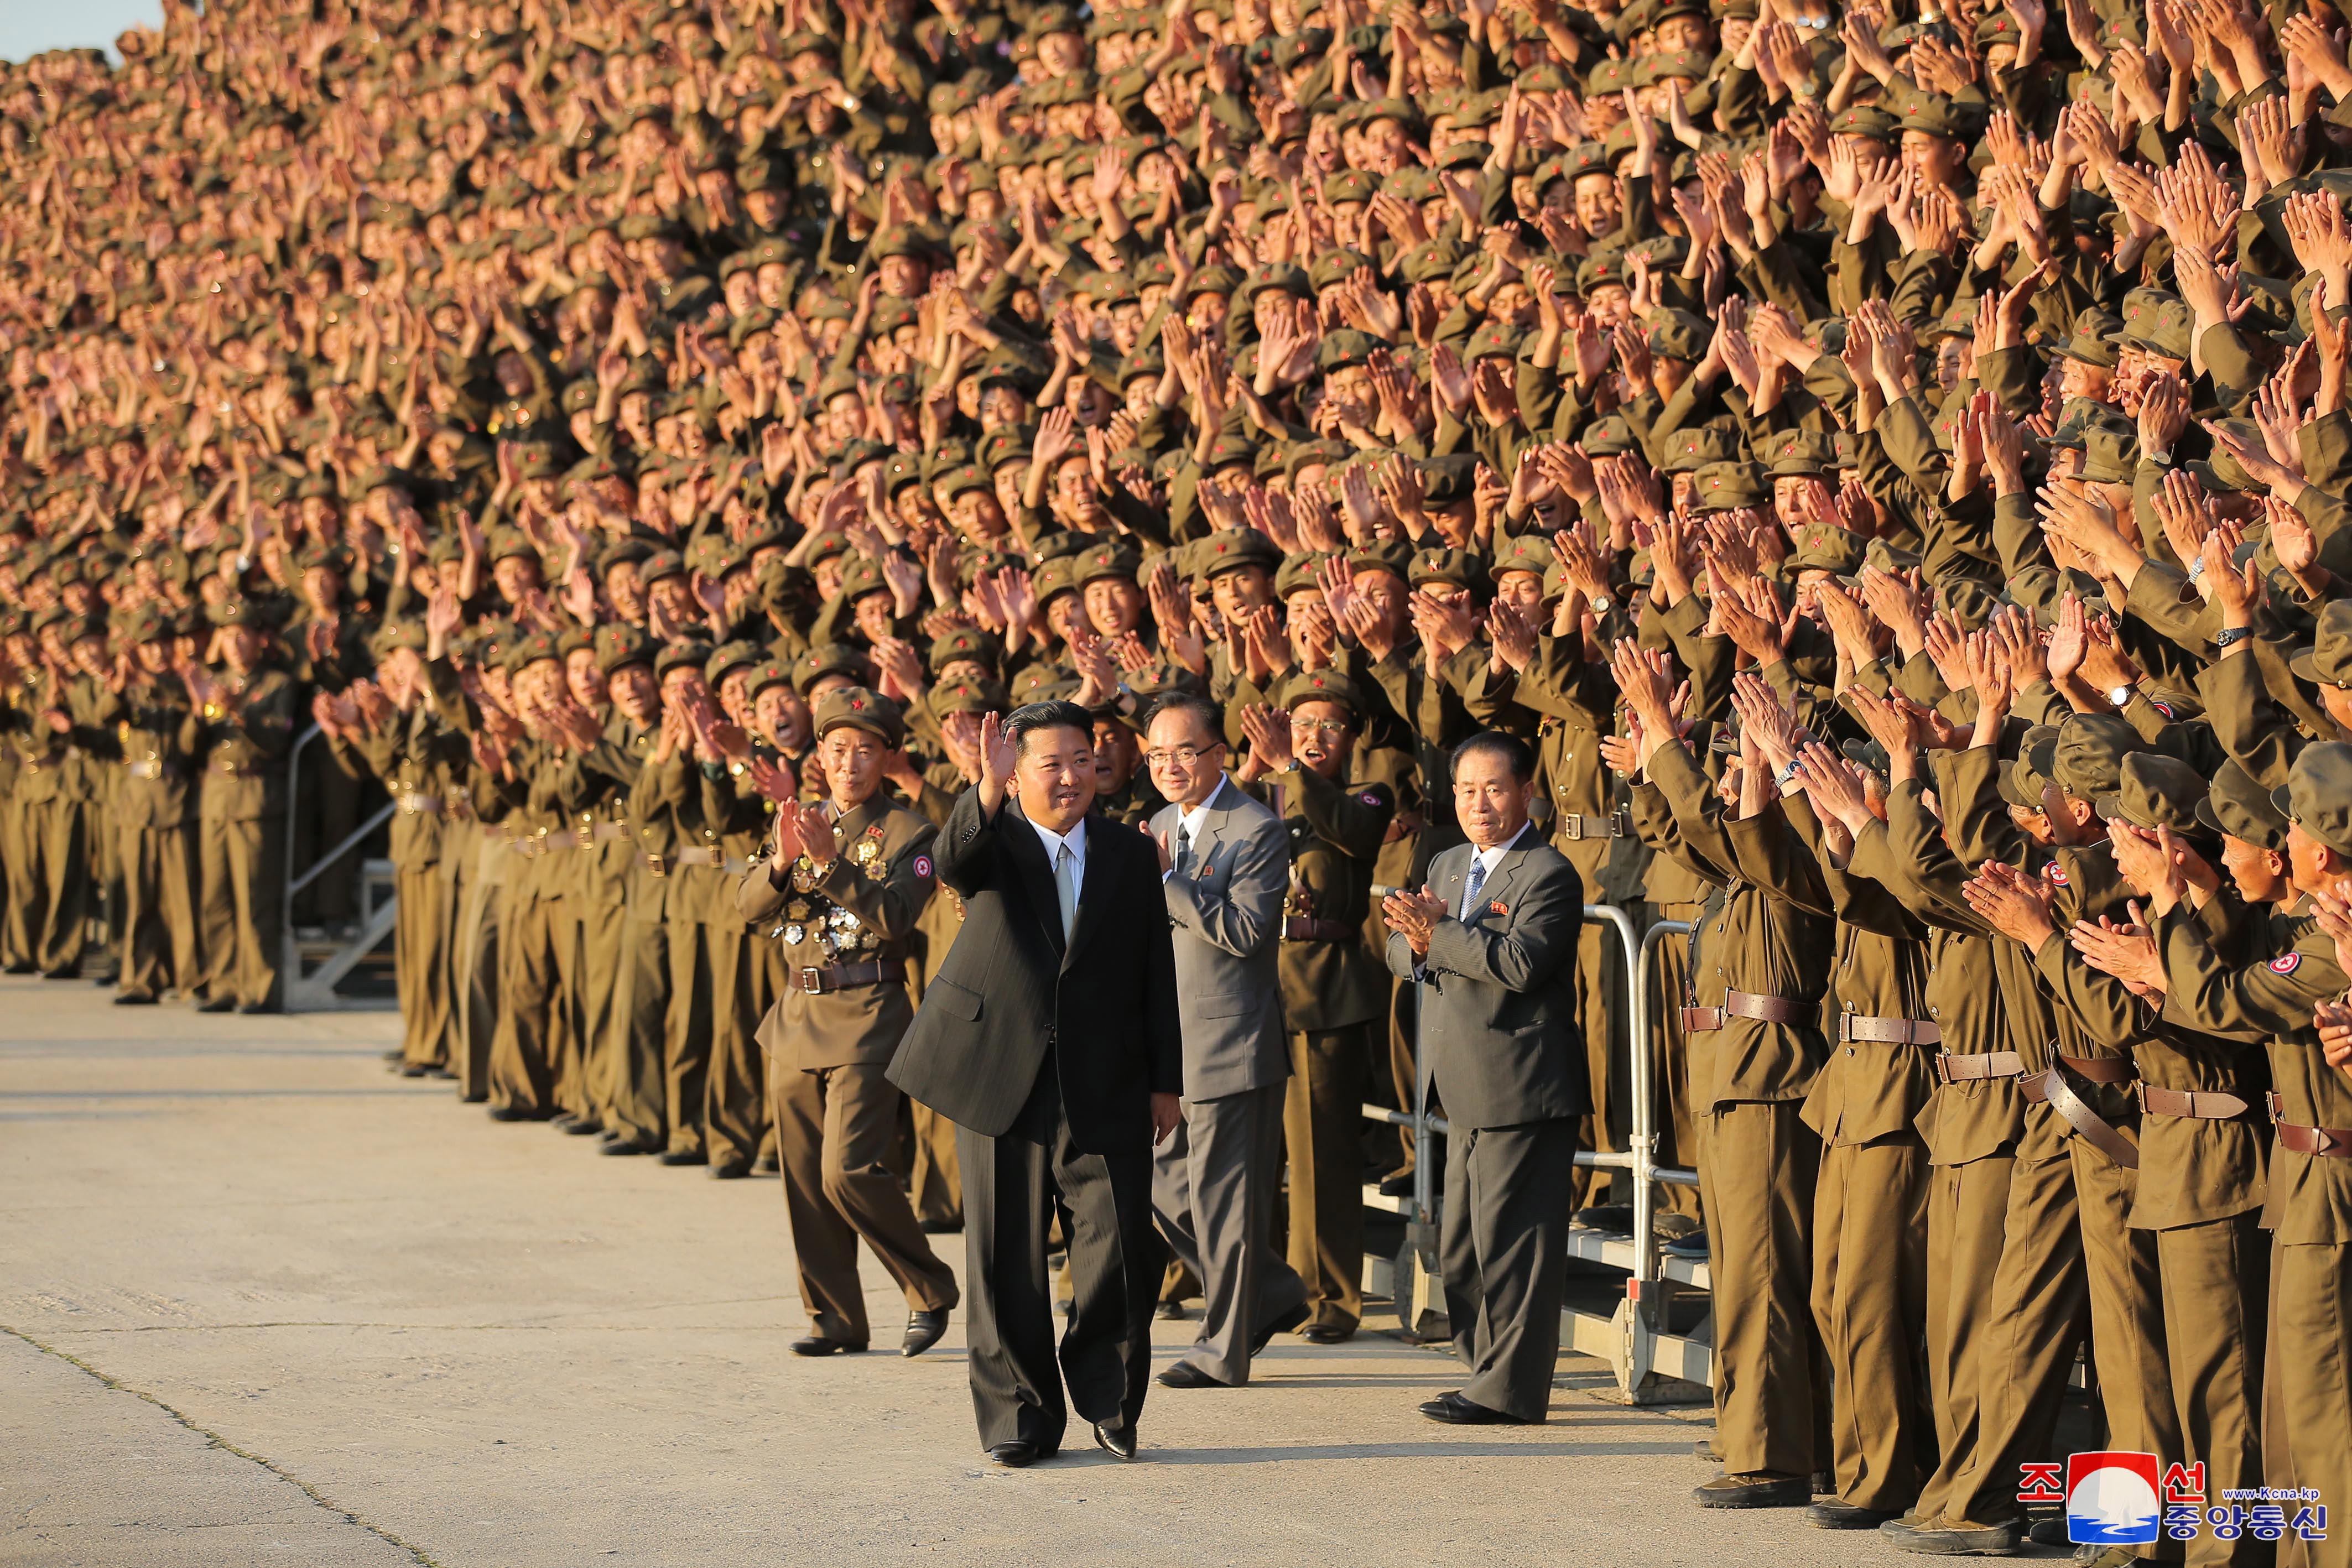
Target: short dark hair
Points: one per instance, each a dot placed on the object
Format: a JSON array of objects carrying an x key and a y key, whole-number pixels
[
  {"x": 1030, "y": 717},
  {"x": 1212, "y": 721},
  {"x": 1514, "y": 752}
]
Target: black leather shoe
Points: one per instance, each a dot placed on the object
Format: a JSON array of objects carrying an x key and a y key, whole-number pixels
[
  {"x": 1118, "y": 1438},
  {"x": 1456, "y": 1411},
  {"x": 256, "y": 1007},
  {"x": 923, "y": 1331},
  {"x": 23, "y": 967},
  {"x": 731, "y": 1170},
  {"x": 817, "y": 1344},
  {"x": 1326, "y": 1333},
  {"x": 1615, "y": 1218},
  {"x": 437, "y": 1070},
  {"x": 1283, "y": 1325},
  {"x": 1014, "y": 1456},
  {"x": 1184, "y": 1375},
  {"x": 69, "y": 973},
  {"x": 510, "y": 1113},
  {"x": 217, "y": 1005},
  {"x": 411, "y": 1070},
  {"x": 766, "y": 1166},
  {"x": 627, "y": 1147},
  {"x": 684, "y": 1157},
  {"x": 1397, "y": 1186},
  {"x": 1758, "y": 1490},
  {"x": 1691, "y": 1248},
  {"x": 578, "y": 1128},
  {"x": 927, "y": 1226},
  {"x": 134, "y": 999},
  {"x": 1169, "y": 1312},
  {"x": 1836, "y": 1513}
]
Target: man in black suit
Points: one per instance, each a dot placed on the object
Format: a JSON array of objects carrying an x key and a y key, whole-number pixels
[
  {"x": 1050, "y": 1037},
  {"x": 1492, "y": 936}
]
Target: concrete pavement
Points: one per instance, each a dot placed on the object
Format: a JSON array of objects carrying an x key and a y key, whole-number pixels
[{"x": 265, "y": 1304}]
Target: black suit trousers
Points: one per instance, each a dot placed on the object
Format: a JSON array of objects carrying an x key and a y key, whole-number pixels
[{"x": 1013, "y": 1187}]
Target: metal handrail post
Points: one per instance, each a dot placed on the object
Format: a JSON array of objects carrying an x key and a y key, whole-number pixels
[
  {"x": 289, "y": 962},
  {"x": 1423, "y": 1182},
  {"x": 1644, "y": 1196}
]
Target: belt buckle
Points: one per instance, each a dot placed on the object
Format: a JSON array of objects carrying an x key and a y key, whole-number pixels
[
  {"x": 1574, "y": 823},
  {"x": 654, "y": 865},
  {"x": 812, "y": 982}
]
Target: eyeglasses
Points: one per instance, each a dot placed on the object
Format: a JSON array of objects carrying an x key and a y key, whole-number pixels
[
  {"x": 1319, "y": 726},
  {"x": 1182, "y": 756}
]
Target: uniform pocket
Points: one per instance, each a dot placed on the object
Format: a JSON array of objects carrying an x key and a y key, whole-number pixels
[{"x": 954, "y": 1000}]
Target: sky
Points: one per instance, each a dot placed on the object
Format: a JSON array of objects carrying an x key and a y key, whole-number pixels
[{"x": 30, "y": 26}]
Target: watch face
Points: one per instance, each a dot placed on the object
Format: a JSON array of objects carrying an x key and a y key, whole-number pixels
[{"x": 2120, "y": 695}]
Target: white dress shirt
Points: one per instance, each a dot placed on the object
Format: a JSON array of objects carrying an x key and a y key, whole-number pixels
[
  {"x": 1075, "y": 840},
  {"x": 1188, "y": 826},
  {"x": 1487, "y": 861}
]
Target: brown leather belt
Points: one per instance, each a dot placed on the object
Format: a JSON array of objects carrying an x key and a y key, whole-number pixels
[
  {"x": 1977, "y": 1068},
  {"x": 1888, "y": 1032},
  {"x": 816, "y": 982},
  {"x": 411, "y": 802},
  {"x": 1613, "y": 826},
  {"x": 1744, "y": 1005},
  {"x": 2100, "y": 1069},
  {"x": 605, "y": 833},
  {"x": 147, "y": 769},
  {"x": 699, "y": 855},
  {"x": 2328, "y": 1142},
  {"x": 1307, "y": 928},
  {"x": 2204, "y": 1104}
]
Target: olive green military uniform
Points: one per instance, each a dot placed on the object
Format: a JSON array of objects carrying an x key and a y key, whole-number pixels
[
  {"x": 735, "y": 1111},
  {"x": 533, "y": 1065},
  {"x": 625, "y": 1048},
  {"x": 158, "y": 919},
  {"x": 1759, "y": 967},
  {"x": 56, "y": 848},
  {"x": 829, "y": 1039},
  {"x": 1334, "y": 994},
  {"x": 241, "y": 811}
]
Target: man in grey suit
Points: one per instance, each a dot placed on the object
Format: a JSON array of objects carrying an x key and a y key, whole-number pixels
[
  {"x": 1492, "y": 936},
  {"x": 1224, "y": 863}
]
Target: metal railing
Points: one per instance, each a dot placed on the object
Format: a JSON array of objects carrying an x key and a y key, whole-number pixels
[
  {"x": 315, "y": 992},
  {"x": 1638, "y": 1329}
]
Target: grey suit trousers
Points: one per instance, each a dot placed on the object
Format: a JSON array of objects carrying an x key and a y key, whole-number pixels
[
  {"x": 1503, "y": 1253},
  {"x": 1214, "y": 1184}
]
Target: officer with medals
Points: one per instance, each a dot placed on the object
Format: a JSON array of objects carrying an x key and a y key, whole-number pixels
[{"x": 843, "y": 889}]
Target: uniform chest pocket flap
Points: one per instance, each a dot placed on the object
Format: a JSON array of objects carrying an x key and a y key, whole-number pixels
[{"x": 956, "y": 1001}]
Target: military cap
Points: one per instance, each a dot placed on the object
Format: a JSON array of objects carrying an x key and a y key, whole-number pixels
[
  {"x": 729, "y": 656},
  {"x": 1607, "y": 76},
  {"x": 831, "y": 659},
  {"x": 1305, "y": 687},
  {"x": 1529, "y": 552},
  {"x": 712, "y": 555},
  {"x": 1726, "y": 487},
  {"x": 2093, "y": 339},
  {"x": 1344, "y": 346},
  {"x": 1464, "y": 153},
  {"x": 235, "y": 610},
  {"x": 1497, "y": 339},
  {"x": 1449, "y": 477},
  {"x": 1865, "y": 119},
  {"x": 1055, "y": 575},
  {"x": 1824, "y": 547},
  {"x": 1222, "y": 280},
  {"x": 2158, "y": 323},
  {"x": 1229, "y": 549},
  {"x": 2087, "y": 756},
  {"x": 857, "y": 707},
  {"x": 2154, "y": 791},
  {"x": 1301, "y": 573},
  {"x": 2110, "y": 450},
  {"x": 2317, "y": 795},
  {"x": 660, "y": 564},
  {"x": 861, "y": 577},
  {"x": 1042, "y": 684},
  {"x": 2022, "y": 781},
  {"x": 1438, "y": 563},
  {"x": 1600, "y": 269},
  {"x": 1795, "y": 452},
  {"x": 771, "y": 670},
  {"x": 1333, "y": 265},
  {"x": 533, "y": 648},
  {"x": 964, "y": 644},
  {"x": 1694, "y": 446},
  {"x": 147, "y": 624},
  {"x": 2240, "y": 807},
  {"x": 967, "y": 696},
  {"x": 1934, "y": 114},
  {"x": 1679, "y": 335},
  {"x": 1105, "y": 560},
  {"x": 2328, "y": 661},
  {"x": 1392, "y": 556},
  {"x": 1350, "y": 185},
  {"x": 618, "y": 645}
]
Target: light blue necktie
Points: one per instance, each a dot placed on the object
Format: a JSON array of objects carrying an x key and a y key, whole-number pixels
[{"x": 1470, "y": 889}]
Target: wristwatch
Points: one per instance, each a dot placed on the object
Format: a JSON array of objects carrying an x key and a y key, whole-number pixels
[
  {"x": 2118, "y": 695},
  {"x": 2228, "y": 634}
]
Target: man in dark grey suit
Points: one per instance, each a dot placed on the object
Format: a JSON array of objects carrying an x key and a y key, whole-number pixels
[
  {"x": 1492, "y": 934},
  {"x": 1049, "y": 1037},
  {"x": 1225, "y": 862}
]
